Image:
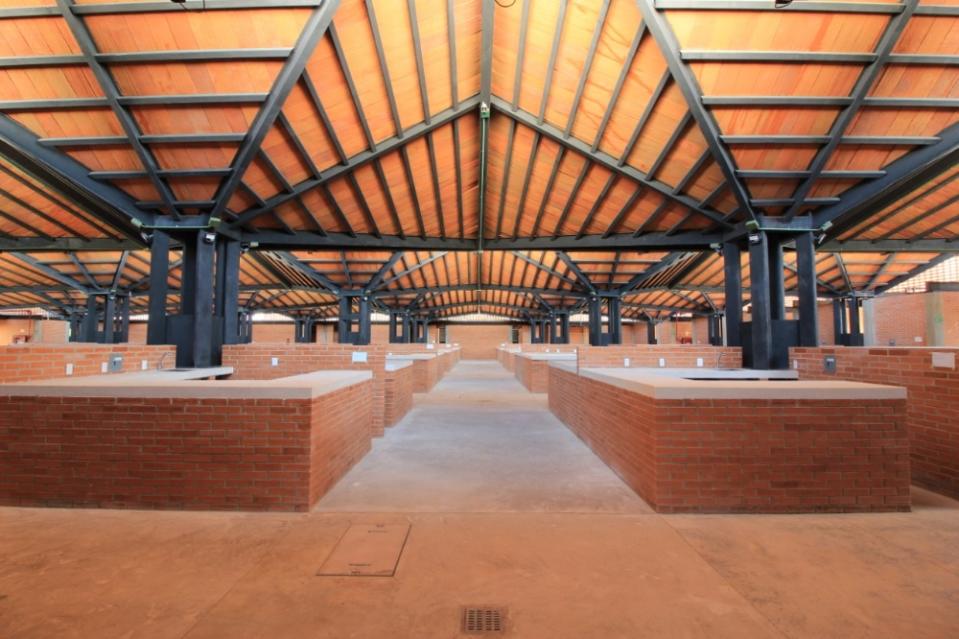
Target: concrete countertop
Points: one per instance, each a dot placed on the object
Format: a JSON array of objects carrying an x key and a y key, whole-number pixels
[
  {"x": 160, "y": 386},
  {"x": 565, "y": 357},
  {"x": 669, "y": 384},
  {"x": 395, "y": 365},
  {"x": 410, "y": 356}
]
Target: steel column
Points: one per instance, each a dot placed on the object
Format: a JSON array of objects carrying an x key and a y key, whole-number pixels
[
  {"x": 88, "y": 328},
  {"x": 808, "y": 306},
  {"x": 108, "y": 336},
  {"x": 777, "y": 289},
  {"x": 228, "y": 289},
  {"x": 762, "y": 334},
  {"x": 732, "y": 268},
  {"x": 651, "y": 331},
  {"x": 838, "y": 312},
  {"x": 159, "y": 271}
]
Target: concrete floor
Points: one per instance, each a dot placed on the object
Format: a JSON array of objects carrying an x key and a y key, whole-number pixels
[{"x": 558, "y": 541}]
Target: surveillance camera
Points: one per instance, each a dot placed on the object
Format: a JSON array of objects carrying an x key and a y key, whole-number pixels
[{"x": 209, "y": 238}]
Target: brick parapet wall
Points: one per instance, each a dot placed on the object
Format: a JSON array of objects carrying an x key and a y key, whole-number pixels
[
  {"x": 742, "y": 455},
  {"x": 194, "y": 454},
  {"x": 648, "y": 356},
  {"x": 932, "y": 404},
  {"x": 532, "y": 374},
  {"x": 31, "y": 362},
  {"x": 398, "y": 395},
  {"x": 254, "y": 361}
]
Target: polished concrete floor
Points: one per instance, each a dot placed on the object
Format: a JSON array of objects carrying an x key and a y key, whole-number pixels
[{"x": 507, "y": 509}]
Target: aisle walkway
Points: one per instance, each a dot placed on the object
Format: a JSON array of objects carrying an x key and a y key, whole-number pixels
[
  {"x": 479, "y": 442},
  {"x": 506, "y": 508}
]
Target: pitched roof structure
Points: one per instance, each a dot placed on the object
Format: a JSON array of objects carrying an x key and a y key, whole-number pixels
[{"x": 460, "y": 156}]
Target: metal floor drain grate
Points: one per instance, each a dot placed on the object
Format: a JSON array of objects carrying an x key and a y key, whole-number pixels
[{"x": 483, "y": 620}]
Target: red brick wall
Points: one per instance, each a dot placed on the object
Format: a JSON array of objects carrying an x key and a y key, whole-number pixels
[
  {"x": 742, "y": 455},
  {"x": 206, "y": 454},
  {"x": 932, "y": 405},
  {"x": 398, "y": 394},
  {"x": 645, "y": 355},
  {"x": 253, "y": 361},
  {"x": 900, "y": 318},
  {"x": 532, "y": 374},
  {"x": 827, "y": 334},
  {"x": 273, "y": 333},
  {"x": 478, "y": 341},
  {"x": 340, "y": 424},
  {"x": 29, "y": 362}
]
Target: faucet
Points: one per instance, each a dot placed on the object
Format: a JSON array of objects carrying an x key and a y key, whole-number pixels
[
  {"x": 162, "y": 358},
  {"x": 719, "y": 360}
]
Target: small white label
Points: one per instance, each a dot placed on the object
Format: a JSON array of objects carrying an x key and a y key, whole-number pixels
[
  {"x": 429, "y": 347},
  {"x": 796, "y": 364},
  {"x": 662, "y": 362},
  {"x": 626, "y": 362},
  {"x": 917, "y": 339},
  {"x": 104, "y": 367},
  {"x": 944, "y": 360},
  {"x": 69, "y": 369},
  {"x": 699, "y": 362},
  {"x": 274, "y": 361},
  {"x": 144, "y": 364},
  {"x": 359, "y": 357}
]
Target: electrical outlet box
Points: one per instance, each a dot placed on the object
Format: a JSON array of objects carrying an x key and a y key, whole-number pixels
[
  {"x": 626, "y": 362},
  {"x": 699, "y": 362},
  {"x": 795, "y": 364},
  {"x": 829, "y": 364},
  {"x": 359, "y": 357},
  {"x": 69, "y": 369},
  {"x": 144, "y": 364},
  {"x": 662, "y": 362},
  {"x": 104, "y": 367},
  {"x": 116, "y": 363},
  {"x": 274, "y": 361}
]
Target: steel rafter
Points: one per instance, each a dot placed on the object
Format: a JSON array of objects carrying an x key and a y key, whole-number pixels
[
  {"x": 689, "y": 86},
  {"x": 313, "y": 31},
  {"x": 860, "y": 92}
]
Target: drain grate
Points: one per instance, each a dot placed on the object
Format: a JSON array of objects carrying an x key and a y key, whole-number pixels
[{"x": 483, "y": 620}]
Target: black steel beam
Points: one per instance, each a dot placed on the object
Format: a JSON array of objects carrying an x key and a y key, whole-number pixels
[
  {"x": 689, "y": 86},
  {"x": 313, "y": 31}
]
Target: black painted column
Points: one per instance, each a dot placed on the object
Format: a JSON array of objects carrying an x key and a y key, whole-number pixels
[
  {"x": 159, "y": 271},
  {"x": 614, "y": 308},
  {"x": 732, "y": 268},
  {"x": 855, "y": 329},
  {"x": 76, "y": 322},
  {"x": 201, "y": 309},
  {"x": 762, "y": 335},
  {"x": 777, "y": 287},
  {"x": 595, "y": 309},
  {"x": 109, "y": 335},
  {"x": 651, "y": 332},
  {"x": 123, "y": 320},
  {"x": 559, "y": 327},
  {"x": 228, "y": 289},
  {"x": 88, "y": 328},
  {"x": 838, "y": 325},
  {"x": 808, "y": 306}
]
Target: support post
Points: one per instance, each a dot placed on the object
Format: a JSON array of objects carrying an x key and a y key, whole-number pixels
[
  {"x": 159, "y": 271},
  {"x": 761, "y": 329},
  {"x": 651, "y": 331},
  {"x": 109, "y": 336},
  {"x": 777, "y": 287},
  {"x": 595, "y": 308},
  {"x": 732, "y": 268},
  {"x": 614, "y": 308},
  {"x": 123, "y": 320},
  {"x": 196, "y": 346},
  {"x": 838, "y": 310},
  {"x": 360, "y": 318},
  {"x": 715, "y": 326},
  {"x": 808, "y": 306},
  {"x": 559, "y": 327},
  {"x": 228, "y": 289},
  {"x": 855, "y": 329},
  {"x": 88, "y": 328}
]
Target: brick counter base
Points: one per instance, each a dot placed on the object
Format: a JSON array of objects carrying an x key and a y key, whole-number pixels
[
  {"x": 397, "y": 395},
  {"x": 191, "y": 454},
  {"x": 532, "y": 374},
  {"x": 762, "y": 456},
  {"x": 30, "y": 362},
  {"x": 932, "y": 403}
]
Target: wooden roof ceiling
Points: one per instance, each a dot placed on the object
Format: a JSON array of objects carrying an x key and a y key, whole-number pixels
[{"x": 626, "y": 136}]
